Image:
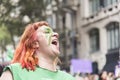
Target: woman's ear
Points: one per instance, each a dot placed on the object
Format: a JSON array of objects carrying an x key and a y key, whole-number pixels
[{"x": 35, "y": 45}]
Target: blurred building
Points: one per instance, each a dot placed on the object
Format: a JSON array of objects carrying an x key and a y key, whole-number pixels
[
  {"x": 99, "y": 32},
  {"x": 89, "y": 29}
]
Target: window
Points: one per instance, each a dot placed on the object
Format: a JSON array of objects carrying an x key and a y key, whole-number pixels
[
  {"x": 96, "y": 5},
  {"x": 113, "y": 35},
  {"x": 94, "y": 40},
  {"x": 109, "y": 2}
]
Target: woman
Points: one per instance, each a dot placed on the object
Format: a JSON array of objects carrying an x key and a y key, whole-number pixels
[{"x": 36, "y": 56}]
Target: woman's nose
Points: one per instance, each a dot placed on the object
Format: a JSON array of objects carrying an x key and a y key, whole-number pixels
[{"x": 55, "y": 34}]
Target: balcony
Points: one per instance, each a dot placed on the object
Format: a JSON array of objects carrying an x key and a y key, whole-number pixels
[{"x": 102, "y": 14}]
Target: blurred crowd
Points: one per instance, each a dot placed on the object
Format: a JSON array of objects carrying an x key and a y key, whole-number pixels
[{"x": 102, "y": 76}]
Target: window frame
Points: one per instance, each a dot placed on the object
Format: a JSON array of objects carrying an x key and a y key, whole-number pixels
[
  {"x": 94, "y": 38},
  {"x": 113, "y": 39}
]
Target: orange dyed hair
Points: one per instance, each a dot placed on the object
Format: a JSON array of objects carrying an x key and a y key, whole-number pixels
[{"x": 25, "y": 53}]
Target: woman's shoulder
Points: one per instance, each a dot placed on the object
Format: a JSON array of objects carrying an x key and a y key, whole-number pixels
[
  {"x": 12, "y": 66},
  {"x": 8, "y": 74},
  {"x": 15, "y": 64},
  {"x": 66, "y": 75},
  {"x": 13, "y": 70},
  {"x": 63, "y": 72}
]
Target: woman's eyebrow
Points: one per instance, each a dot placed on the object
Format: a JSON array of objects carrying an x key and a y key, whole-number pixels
[{"x": 48, "y": 28}]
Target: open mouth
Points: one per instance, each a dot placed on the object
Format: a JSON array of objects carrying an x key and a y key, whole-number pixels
[{"x": 54, "y": 42}]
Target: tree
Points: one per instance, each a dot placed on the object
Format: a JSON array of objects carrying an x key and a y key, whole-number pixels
[
  {"x": 15, "y": 14},
  {"x": 4, "y": 39}
]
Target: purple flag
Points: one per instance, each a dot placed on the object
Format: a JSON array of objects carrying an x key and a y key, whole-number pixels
[{"x": 82, "y": 66}]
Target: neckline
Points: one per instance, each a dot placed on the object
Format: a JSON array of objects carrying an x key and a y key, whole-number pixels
[{"x": 47, "y": 69}]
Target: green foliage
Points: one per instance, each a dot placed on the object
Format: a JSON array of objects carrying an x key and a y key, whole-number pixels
[
  {"x": 4, "y": 34},
  {"x": 12, "y": 14},
  {"x": 34, "y": 9},
  {"x": 4, "y": 37}
]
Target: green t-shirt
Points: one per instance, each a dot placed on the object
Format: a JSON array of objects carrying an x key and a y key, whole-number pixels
[{"x": 38, "y": 74}]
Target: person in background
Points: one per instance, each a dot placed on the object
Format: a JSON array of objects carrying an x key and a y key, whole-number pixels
[
  {"x": 36, "y": 56},
  {"x": 103, "y": 75},
  {"x": 110, "y": 76},
  {"x": 1, "y": 69}
]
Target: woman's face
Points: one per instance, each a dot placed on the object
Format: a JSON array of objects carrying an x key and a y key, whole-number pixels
[{"x": 48, "y": 41}]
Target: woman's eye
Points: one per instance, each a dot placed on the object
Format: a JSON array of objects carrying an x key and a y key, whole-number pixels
[{"x": 47, "y": 31}]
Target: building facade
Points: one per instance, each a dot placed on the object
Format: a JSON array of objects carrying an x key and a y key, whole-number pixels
[
  {"x": 89, "y": 29},
  {"x": 99, "y": 30}
]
